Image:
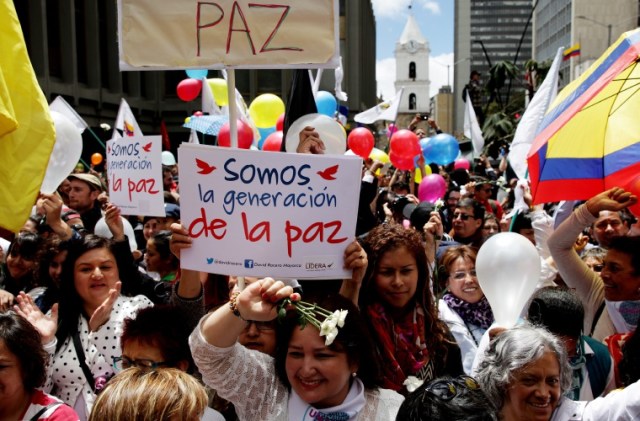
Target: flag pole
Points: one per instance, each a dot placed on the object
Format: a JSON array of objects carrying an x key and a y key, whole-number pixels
[{"x": 233, "y": 127}]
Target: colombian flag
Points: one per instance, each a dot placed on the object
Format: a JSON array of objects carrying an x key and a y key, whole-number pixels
[
  {"x": 572, "y": 51},
  {"x": 589, "y": 140},
  {"x": 27, "y": 133}
]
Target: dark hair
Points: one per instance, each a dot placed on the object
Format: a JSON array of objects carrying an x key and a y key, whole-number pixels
[
  {"x": 449, "y": 191},
  {"x": 400, "y": 185},
  {"x": 49, "y": 250},
  {"x": 521, "y": 221},
  {"x": 384, "y": 238},
  {"x": 70, "y": 302},
  {"x": 24, "y": 341},
  {"x": 161, "y": 240},
  {"x": 559, "y": 310},
  {"x": 629, "y": 246},
  {"x": 469, "y": 203},
  {"x": 25, "y": 244},
  {"x": 162, "y": 327},
  {"x": 629, "y": 366},
  {"x": 466, "y": 405},
  {"x": 353, "y": 339}
]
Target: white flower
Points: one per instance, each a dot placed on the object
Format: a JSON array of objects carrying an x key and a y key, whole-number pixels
[
  {"x": 439, "y": 204},
  {"x": 105, "y": 126},
  {"x": 328, "y": 325},
  {"x": 340, "y": 316},
  {"x": 331, "y": 336},
  {"x": 412, "y": 383}
]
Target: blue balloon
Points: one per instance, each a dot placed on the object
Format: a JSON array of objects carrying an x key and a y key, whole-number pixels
[
  {"x": 423, "y": 144},
  {"x": 264, "y": 133},
  {"x": 197, "y": 73},
  {"x": 441, "y": 149},
  {"x": 326, "y": 103}
]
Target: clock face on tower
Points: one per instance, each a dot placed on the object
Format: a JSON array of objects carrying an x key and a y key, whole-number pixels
[{"x": 412, "y": 46}]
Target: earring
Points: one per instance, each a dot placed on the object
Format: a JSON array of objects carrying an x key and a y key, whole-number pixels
[{"x": 354, "y": 374}]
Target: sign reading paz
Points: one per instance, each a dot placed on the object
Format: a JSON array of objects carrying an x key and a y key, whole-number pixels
[
  {"x": 135, "y": 175},
  {"x": 169, "y": 34},
  {"x": 253, "y": 213}
]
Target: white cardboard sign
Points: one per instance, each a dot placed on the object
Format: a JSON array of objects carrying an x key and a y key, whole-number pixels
[
  {"x": 134, "y": 169},
  {"x": 255, "y": 213}
]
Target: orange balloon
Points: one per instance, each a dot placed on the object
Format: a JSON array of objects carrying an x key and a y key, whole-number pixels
[{"x": 96, "y": 158}]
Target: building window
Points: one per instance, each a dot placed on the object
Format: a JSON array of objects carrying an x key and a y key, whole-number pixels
[
  {"x": 412, "y": 70},
  {"x": 412, "y": 101}
]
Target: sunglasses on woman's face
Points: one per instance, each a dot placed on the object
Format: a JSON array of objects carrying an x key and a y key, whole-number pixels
[{"x": 448, "y": 389}]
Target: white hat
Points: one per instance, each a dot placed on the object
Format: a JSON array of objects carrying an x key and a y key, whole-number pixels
[
  {"x": 102, "y": 230},
  {"x": 168, "y": 158}
]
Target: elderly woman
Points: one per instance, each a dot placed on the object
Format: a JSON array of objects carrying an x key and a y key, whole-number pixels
[
  {"x": 22, "y": 371},
  {"x": 525, "y": 374},
  {"x": 464, "y": 308}
]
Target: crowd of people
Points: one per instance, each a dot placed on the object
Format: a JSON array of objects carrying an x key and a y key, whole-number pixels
[{"x": 99, "y": 322}]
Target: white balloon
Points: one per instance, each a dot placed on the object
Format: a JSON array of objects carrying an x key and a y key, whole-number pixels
[
  {"x": 65, "y": 155},
  {"x": 330, "y": 131},
  {"x": 508, "y": 268}
]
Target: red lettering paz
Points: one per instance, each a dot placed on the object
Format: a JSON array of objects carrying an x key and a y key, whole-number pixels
[
  {"x": 216, "y": 228},
  {"x": 144, "y": 185},
  {"x": 207, "y": 25},
  {"x": 314, "y": 232},
  {"x": 285, "y": 12},
  {"x": 246, "y": 28}
]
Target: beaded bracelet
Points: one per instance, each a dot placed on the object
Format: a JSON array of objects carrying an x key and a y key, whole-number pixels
[{"x": 233, "y": 304}]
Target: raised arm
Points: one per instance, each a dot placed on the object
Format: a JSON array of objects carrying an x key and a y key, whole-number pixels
[{"x": 355, "y": 258}]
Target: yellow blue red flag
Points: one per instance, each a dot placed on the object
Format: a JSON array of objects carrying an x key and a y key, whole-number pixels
[
  {"x": 27, "y": 133},
  {"x": 589, "y": 140},
  {"x": 572, "y": 51}
]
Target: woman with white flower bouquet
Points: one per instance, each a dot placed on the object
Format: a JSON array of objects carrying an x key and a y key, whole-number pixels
[{"x": 324, "y": 366}]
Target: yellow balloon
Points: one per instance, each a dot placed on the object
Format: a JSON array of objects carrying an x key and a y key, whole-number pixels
[
  {"x": 379, "y": 155},
  {"x": 265, "y": 110},
  {"x": 186, "y": 120},
  {"x": 219, "y": 88},
  {"x": 418, "y": 177}
]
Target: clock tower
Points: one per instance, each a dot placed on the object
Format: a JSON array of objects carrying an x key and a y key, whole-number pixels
[{"x": 412, "y": 68}]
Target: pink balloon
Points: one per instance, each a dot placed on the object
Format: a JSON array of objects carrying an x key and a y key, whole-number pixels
[
  {"x": 273, "y": 142},
  {"x": 391, "y": 129},
  {"x": 461, "y": 163},
  {"x": 432, "y": 188},
  {"x": 245, "y": 135}
]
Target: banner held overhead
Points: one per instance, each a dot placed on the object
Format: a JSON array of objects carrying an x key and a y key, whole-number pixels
[{"x": 165, "y": 34}]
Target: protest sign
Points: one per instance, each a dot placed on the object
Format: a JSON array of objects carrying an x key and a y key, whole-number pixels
[
  {"x": 253, "y": 213},
  {"x": 168, "y": 34},
  {"x": 134, "y": 170}
]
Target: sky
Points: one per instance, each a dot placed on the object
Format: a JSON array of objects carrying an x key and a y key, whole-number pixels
[{"x": 435, "y": 18}]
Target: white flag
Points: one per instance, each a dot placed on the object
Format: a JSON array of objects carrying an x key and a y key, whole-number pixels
[
  {"x": 125, "y": 122},
  {"x": 472, "y": 128},
  {"x": 61, "y": 106},
  {"x": 208, "y": 100},
  {"x": 387, "y": 110},
  {"x": 193, "y": 137},
  {"x": 532, "y": 117}
]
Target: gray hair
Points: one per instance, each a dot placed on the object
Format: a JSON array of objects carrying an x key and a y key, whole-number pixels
[
  {"x": 513, "y": 350},
  {"x": 595, "y": 252}
]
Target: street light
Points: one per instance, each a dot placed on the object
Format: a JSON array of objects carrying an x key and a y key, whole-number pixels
[
  {"x": 605, "y": 25},
  {"x": 448, "y": 66}
]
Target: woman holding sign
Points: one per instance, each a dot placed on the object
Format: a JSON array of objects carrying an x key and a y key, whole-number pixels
[
  {"x": 315, "y": 374},
  {"x": 400, "y": 309}
]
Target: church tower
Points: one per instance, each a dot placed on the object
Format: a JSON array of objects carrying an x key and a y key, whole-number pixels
[{"x": 412, "y": 68}]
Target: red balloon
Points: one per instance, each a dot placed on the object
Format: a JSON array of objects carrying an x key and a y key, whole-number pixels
[
  {"x": 198, "y": 114},
  {"x": 280, "y": 122},
  {"x": 404, "y": 163},
  {"x": 245, "y": 135},
  {"x": 404, "y": 143},
  {"x": 273, "y": 142},
  {"x": 189, "y": 89},
  {"x": 361, "y": 142}
]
